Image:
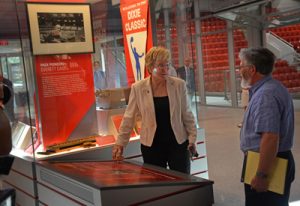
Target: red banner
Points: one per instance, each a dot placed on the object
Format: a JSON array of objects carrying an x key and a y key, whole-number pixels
[
  {"x": 137, "y": 36},
  {"x": 65, "y": 94}
]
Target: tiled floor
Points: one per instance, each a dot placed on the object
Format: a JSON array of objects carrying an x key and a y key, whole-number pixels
[{"x": 225, "y": 157}]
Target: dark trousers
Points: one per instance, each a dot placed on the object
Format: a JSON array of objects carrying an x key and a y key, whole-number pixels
[
  {"x": 176, "y": 156},
  {"x": 254, "y": 198}
]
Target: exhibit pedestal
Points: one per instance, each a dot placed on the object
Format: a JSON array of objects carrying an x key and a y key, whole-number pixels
[
  {"x": 22, "y": 178},
  {"x": 23, "y": 174},
  {"x": 118, "y": 183}
]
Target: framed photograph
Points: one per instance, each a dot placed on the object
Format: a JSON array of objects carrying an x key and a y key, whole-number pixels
[{"x": 60, "y": 28}]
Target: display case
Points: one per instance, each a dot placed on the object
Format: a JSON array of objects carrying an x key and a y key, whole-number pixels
[
  {"x": 95, "y": 183},
  {"x": 56, "y": 100}
]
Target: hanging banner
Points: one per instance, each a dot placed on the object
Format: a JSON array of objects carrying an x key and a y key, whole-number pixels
[
  {"x": 137, "y": 34},
  {"x": 66, "y": 97}
]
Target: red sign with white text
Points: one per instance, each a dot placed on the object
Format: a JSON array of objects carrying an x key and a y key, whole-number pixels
[
  {"x": 65, "y": 94},
  {"x": 137, "y": 36}
]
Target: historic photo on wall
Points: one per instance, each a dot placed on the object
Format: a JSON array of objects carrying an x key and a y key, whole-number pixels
[{"x": 60, "y": 28}]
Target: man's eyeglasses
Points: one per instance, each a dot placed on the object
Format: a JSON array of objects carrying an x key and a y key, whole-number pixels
[
  {"x": 161, "y": 66},
  {"x": 244, "y": 66}
]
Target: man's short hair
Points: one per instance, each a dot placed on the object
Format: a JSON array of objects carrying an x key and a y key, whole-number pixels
[{"x": 262, "y": 58}]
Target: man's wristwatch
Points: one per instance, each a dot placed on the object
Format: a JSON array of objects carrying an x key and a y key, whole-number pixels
[{"x": 261, "y": 175}]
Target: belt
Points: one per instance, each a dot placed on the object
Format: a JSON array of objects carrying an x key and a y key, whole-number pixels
[{"x": 285, "y": 154}]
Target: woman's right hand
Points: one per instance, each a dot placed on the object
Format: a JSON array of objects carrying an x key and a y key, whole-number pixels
[
  {"x": 192, "y": 149},
  {"x": 117, "y": 152}
]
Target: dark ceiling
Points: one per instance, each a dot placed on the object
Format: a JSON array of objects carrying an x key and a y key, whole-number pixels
[
  {"x": 9, "y": 19},
  {"x": 8, "y": 24},
  {"x": 287, "y": 12}
]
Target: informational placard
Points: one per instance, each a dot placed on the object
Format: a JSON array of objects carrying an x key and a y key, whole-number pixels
[
  {"x": 137, "y": 34},
  {"x": 66, "y": 97}
]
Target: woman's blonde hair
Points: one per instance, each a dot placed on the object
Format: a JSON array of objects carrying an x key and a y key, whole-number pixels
[{"x": 156, "y": 54}]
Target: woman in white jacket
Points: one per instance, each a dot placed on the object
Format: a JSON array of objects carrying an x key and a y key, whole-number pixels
[{"x": 168, "y": 131}]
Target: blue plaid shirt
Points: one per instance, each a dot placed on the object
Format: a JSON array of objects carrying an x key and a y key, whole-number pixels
[{"x": 270, "y": 109}]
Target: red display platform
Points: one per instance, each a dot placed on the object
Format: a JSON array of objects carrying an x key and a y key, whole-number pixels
[
  {"x": 112, "y": 173},
  {"x": 98, "y": 182}
]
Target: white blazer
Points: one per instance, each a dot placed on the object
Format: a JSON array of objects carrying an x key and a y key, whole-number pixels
[{"x": 141, "y": 102}]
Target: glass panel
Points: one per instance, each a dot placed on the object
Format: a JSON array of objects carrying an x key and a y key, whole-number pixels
[
  {"x": 17, "y": 108},
  {"x": 282, "y": 25},
  {"x": 174, "y": 30},
  {"x": 287, "y": 66},
  {"x": 215, "y": 61},
  {"x": 240, "y": 41},
  {"x": 4, "y": 67},
  {"x": 21, "y": 115},
  {"x": 109, "y": 57}
]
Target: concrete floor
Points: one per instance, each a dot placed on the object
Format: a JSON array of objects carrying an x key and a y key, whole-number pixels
[{"x": 225, "y": 158}]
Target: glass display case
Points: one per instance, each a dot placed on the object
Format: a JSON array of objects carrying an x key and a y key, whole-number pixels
[{"x": 57, "y": 99}]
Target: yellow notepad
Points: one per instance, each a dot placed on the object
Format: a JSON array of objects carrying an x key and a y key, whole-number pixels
[{"x": 277, "y": 176}]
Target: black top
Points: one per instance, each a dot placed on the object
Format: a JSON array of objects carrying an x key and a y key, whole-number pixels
[{"x": 164, "y": 134}]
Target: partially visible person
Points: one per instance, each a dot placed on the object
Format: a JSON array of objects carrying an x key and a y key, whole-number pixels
[
  {"x": 244, "y": 100},
  {"x": 9, "y": 107},
  {"x": 172, "y": 71},
  {"x": 168, "y": 131},
  {"x": 245, "y": 97},
  {"x": 268, "y": 126},
  {"x": 5, "y": 129},
  {"x": 22, "y": 104},
  {"x": 55, "y": 35},
  {"x": 99, "y": 77},
  {"x": 186, "y": 73}
]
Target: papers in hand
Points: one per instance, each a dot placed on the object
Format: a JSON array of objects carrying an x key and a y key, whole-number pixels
[{"x": 276, "y": 178}]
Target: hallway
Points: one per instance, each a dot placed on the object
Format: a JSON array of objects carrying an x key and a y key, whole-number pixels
[{"x": 225, "y": 158}]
